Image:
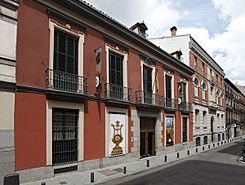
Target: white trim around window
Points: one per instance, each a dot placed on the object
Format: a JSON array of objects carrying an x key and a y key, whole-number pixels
[
  {"x": 153, "y": 67},
  {"x": 172, "y": 75},
  {"x": 80, "y": 35},
  {"x": 108, "y": 48},
  {"x": 49, "y": 113},
  {"x": 188, "y": 133}
]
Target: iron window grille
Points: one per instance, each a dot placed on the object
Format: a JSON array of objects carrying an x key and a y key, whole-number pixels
[{"x": 65, "y": 136}]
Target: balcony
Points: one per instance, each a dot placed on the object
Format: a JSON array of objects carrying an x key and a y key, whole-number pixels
[
  {"x": 117, "y": 92},
  {"x": 171, "y": 104},
  {"x": 148, "y": 98},
  {"x": 213, "y": 105},
  {"x": 65, "y": 82},
  {"x": 185, "y": 106}
]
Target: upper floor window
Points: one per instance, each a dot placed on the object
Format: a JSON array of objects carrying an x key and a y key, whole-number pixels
[
  {"x": 168, "y": 83},
  {"x": 65, "y": 52},
  {"x": 115, "y": 68}
]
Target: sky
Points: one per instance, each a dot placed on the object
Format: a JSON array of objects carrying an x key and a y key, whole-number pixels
[{"x": 217, "y": 25}]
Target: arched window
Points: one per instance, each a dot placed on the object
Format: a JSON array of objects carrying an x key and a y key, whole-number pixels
[
  {"x": 196, "y": 81},
  {"x": 205, "y": 140},
  {"x": 204, "y": 86},
  {"x": 198, "y": 141}
]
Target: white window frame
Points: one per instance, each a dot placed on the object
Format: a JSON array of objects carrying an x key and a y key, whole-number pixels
[
  {"x": 109, "y": 48},
  {"x": 50, "y": 104},
  {"x": 184, "y": 116},
  {"x": 80, "y": 35},
  {"x": 153, "y": 67},
  {"x": 172, "y": 83}
]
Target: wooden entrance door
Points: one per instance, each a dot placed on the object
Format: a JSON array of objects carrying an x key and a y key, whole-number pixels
[{"x": 147, "y": 137}]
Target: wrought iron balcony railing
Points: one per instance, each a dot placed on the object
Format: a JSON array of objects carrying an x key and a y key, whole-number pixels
[
  {"x": 117, "y": 92},
  {"x": 149, "y": 98},
  {"x": 185, "y": 106},
  {"x": 171, "y": 103},
  {"x": 65, "y": 82}
]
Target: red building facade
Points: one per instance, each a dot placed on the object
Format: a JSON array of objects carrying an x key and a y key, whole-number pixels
[{"x": 92, "y": 93}]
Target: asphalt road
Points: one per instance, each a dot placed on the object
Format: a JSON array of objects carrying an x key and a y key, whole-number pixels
[{"x": 215, "y": 167}]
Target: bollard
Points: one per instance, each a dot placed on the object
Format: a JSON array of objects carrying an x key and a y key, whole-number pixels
[
  {"x": 147, "y": 163},
  {"x": 43, "y": 183},
  {"x": 92, "y": 177},
  {"x": 178, "y": 155},
  {"x": 196, "y": 150},
  {"x": 165, "y": 158},
  {"x": 203, "y": 148},
  {"x": 214, "y": 145},
  {"x": 188, "y": 152},
  {"x": 218, "y": 144},
  {"x": 11, "y": 179},
  {"x": 208, "y": 146},
  {"x": 124, "y": 170},
  {"x": 243, "y": 153}
]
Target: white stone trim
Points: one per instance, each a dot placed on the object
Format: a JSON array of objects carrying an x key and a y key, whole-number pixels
[
  {"x": 116, "y": 110},
  {"x": 50, "y": 104},
  {"x": 125, "y": 63},
  {"x": 153, "y": 75},
  {"x": 67, "y": 29},
  {"x": 173, "y": 79},
  {"x": 188, "y": 133}
]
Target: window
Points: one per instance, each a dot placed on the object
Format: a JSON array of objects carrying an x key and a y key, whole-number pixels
[
  {"x": 198, "y": 141},
  {"x": 205, "y": 140},
  {"x": 116, "y": 75},
  {"x": 196, "y": 116},
  {"x": 184, "y": 93},
  {"x": 65, "y": 132},
  {"x": 204, "y": 88},
  {"x": 147, "y": 84},
  {"x": 184, "y": 129},
  {"x": 168, "y": 90},
  {"x": 196, "y": 83},
  {"x": 65, "y": 61},
  {"x": 204, "y": 117}
]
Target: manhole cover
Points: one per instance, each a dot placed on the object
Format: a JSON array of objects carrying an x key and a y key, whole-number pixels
[{"x": 108, "y": 172}]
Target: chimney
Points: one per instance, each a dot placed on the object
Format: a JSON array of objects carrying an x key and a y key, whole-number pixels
[
  {"x": 173, "y": 31},
  {"x": 140, "y": 28}
]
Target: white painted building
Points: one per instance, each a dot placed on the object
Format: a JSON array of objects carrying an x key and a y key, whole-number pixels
[
  {"x": 208, "y": 82},
  {"x": 8, "y": 30}
]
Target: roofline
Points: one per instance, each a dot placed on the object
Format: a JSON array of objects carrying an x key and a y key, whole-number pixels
[
  {"x": 84, "y": 9},
  {"x": 167, "y": 37},
  {"x": 232, "y": 85},
  {"x": 207, "y": 55}
]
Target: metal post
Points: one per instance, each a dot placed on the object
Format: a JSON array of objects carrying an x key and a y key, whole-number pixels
[
  {"x": 243, "y": 153},
  {"x": 203, "y": 148},
  {"x": 92, "y": 177},
  {"x": 188, "y": 152},
  {"x": 209, "y": 146},
  {"x": 124, "y": 170},
  {"x": 214, "y": 145},
  {"x": 43, "y": 183},
  {"x": 147, "y": 163},
  {"x": 196, "y": 150},
  {"x": 165, "y": 158},
  {"x": 178, "y": 155}
]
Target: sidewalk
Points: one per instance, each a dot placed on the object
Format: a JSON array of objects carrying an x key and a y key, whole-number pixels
[{"x": 103, "y": 175}]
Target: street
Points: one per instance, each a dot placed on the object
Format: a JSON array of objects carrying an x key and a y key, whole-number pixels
[{"x": 215, "y": 167}]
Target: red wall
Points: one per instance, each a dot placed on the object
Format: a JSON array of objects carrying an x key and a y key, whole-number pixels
[
  {"x": 94, "y": 130},
  {"x": 30, "y": 130},
  {"x": 32, "y": 44}
]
